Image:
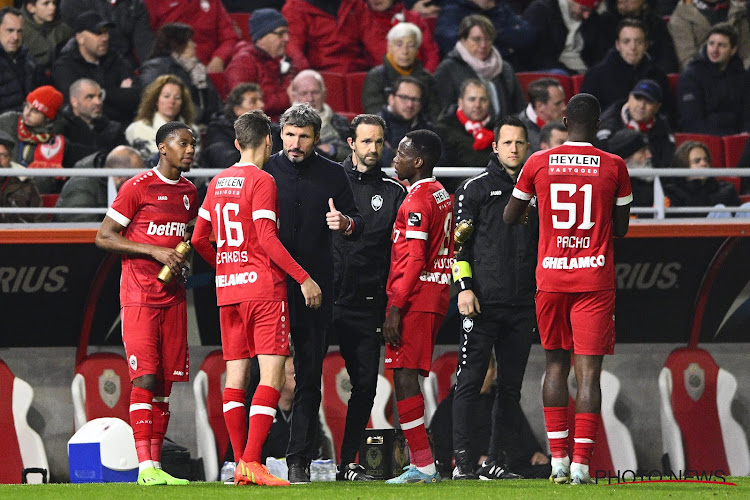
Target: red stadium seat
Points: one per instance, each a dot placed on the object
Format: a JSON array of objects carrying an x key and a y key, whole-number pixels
[
  {"x": 241, "y": 22},
  {"x": 101, "y": 388},
  {"x": 49, "y": 200},
  {"x": 526, "y": 78},
  {"x": 713, "y": 142},
  {"x": 211, "y": 432},
  {"x": 335, "y": 90},
  {"x": 349, "y": 115},
  {"x": 576, "y": 81},
  {"x": 354, "y": 84},
  {"x": 734, "y": 145},
  {"x": 698, "y": 429},
  {"x": 220, "y": 84},
  {"x": 444, "y": 367},
  {"x": 22, "y": 447}
]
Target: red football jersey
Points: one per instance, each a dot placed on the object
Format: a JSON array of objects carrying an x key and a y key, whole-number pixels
[
  {"x": 244, "y": 271},
  {"x": 577, "y": 187},
  {"x": 422, "y": 252},
  {"x": 154, "y": 210}
]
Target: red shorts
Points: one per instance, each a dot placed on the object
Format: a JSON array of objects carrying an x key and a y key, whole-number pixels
[
  {"x": 155, "y": 340},
  {"x": 254, "y": 327},
  {"x": 418, "y": 333},
  {"x": 583, "y": 321}
]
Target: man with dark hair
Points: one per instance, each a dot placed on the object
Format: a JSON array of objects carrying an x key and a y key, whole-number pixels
[
  {"x": 18, "y": 71},
  {"x": 241, "y": 209},
  {"x": 315, "y": 198},
  {"x": 583, "y": 200},
  {"x": 154, "y": 312},
  {"x": 553, "y": 134},
  {"x": 418, "y": 292},
  {"x": 360, "y": 274},
  {"x": 546, "y": 104},
  {"x": 494, "y": 271}
]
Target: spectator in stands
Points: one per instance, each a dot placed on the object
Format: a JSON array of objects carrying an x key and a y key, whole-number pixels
[
  {"x": 474, "y": 57},
  {"x": 213, "y": 29},
  {"x": 382, "y": 15},
  {"x": 404, "y": 40},
  {"x": 546, "y": 104},
  {"x": 308, "y": 86},
  {"x": 167, "y": 99},
  {"x": 326, "y": 35},
  {"x": 18, "y": 192},
  {"x": 660, "y": 44},
  {"x": 466, "y": 129},
  {"x": 699, "y": 191},
  {"x": 265, "y": 61},
  {"x": 36, "y": 143},
  {"x": 624, "y": 65},
  {"x": 632, "y": 146},
  {"x": 512, "y": 32},
  {"x": 569, "y": 36},
  {"x": 85, "y": 127},
  {"x": 174, "y": 54},
  {"x": 641, "y": 112},
  {"x": 713, "y": 90},
  {"x": 18, "y": 71},
  {"x": 402, "y": 114},
  {"x": 553, "y": 134},
  {"x": 91, "y": 192},
  {"x": 88, "y": 56},
  {"x": 691, "y": 22},
  {"x": 44, "y": 34},
  {"x": 425, "y": 8},
  {"x": 130, "y": 35}
]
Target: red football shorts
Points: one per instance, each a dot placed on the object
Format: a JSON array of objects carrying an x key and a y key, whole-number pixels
[
  {"x": 583, "y": 321},
  {"x": 254, "y": 327},
  {"x": 155, "y": 340},
  {"x": 418, "y": 333}
]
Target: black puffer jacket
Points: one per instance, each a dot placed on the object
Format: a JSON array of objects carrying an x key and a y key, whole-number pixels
[
  {"x": 361, "y": 266},
  {"x": 18, "y": 76}
]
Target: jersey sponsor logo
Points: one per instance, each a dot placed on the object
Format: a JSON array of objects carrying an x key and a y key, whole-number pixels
[
  {"x": 647, "y": 275},
  {"x": 186, "y": 201},
  {"x": 234, "y": 279},
  {"x": 441, "y": 196},
  {"x": 585, "y": 165},
  {"x": 376, "y": 202},
  {"x": 32, "y": 279},
  {"x": 178, "y": 373},
  {"x": 232, "y": 257},
  {"x": 585, "y": 262},
  {"x": 161, "y": 198},
  {"x": 414, "y": 219},
  {"x": 167, "y": 229},
  {"x": 230, "y": 182},
  {"x": 133, "y": 362},
  {"x": 496, "y": 192},
  {"x": 436, "y": 277},
  {"x": 467, "y": 324}
]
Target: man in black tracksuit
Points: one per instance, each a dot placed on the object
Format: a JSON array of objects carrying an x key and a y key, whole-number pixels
[
  {"x": 360, "y": 273},
  {"x": 494, "y": 272}
]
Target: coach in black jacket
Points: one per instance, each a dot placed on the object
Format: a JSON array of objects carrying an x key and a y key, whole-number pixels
[
  {"x": 315, "y": 197},
  {"x": 495, "y": 276},
  {"x": 360, "y": 275}
]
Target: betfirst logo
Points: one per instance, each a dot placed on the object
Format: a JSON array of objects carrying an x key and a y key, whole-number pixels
[{"x": 168, "y": 229}]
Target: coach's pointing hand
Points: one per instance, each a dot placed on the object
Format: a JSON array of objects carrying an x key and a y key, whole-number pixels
[
  {"x": 336, "y": 220},
  {"x": 312, "y": 293}
]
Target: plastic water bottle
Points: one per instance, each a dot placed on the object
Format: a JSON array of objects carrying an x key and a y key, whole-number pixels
[
  {"x": 227, "y": 472},
  {"x": 278, "y": 467},
  {"x": 322, "y": 470}
]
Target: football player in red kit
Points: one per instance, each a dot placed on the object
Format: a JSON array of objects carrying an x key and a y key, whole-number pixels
[
  {"x": 145, "y": 223},
  {"x": 241, "y": 207},
  {"x": 583, "y": 198},
  {"x": 418, "y": 291}
]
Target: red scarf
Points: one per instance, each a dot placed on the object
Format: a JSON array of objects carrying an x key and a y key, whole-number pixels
[
  {"x": 482, "y": 136},
  {"x": 49, "y": 147},
  {"x": 634, "y": 125}
]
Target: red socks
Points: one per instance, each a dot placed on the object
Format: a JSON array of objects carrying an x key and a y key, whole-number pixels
[
  {"x": 411, "y": 416},
  {"x": 587, "y": 424},
  {"x": 141, "y": 420},
  {"x": 262, "y": 413},
  {"x": 160, "y": 412},
  {"x": 236, "y": 420},
  {"x": 556, "y": 421}
]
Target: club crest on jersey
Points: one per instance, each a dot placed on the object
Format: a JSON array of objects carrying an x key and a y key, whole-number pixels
[
  {"x": 376, "y": 202},
  {"x": 133, "y": 362},
  {"x": 467, "y": 324},
  {"x": 186, "y": 201},
  {"x": 415, "y": 219}
]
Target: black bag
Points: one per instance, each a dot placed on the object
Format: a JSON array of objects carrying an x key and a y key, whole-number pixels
[{"x": 175, "y": 460}]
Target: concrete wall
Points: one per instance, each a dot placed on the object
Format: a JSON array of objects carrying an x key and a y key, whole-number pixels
[{"x": 50, "y": 372}]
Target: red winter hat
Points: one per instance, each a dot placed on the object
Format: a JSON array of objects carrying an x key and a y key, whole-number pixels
[
  {"x": 46, "y": 99},
  {"x": 591, "y": 4}
]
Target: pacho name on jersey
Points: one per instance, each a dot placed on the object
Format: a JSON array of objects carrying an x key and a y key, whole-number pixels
[{"x": 565, "y": 164}]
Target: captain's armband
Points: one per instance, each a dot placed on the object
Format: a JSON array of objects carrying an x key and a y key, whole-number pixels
[{"x": 462, "y": 275}]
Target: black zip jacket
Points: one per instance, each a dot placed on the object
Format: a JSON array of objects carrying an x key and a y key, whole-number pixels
[
  {"x": 502, "y": 257},
  {"x": 361, "y": 266}
]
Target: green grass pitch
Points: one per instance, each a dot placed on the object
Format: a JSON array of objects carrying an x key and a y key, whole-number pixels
[{"x": 453, "y": 490}]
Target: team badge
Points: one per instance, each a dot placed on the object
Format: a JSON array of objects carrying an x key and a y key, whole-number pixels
[
  {"x": 205, "y": 5},
  {"x": 695, "y": 381},
  {"x": 376, "y": 202},
  {"x": 415, "y": 219},
  {"x": 343, "y": 386},
  {"x": 186, "y": 201},
  {"x": 468, "y": 324},
  {"x": 133, "y": 362},
  {"x": 109, "y": 387}
]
